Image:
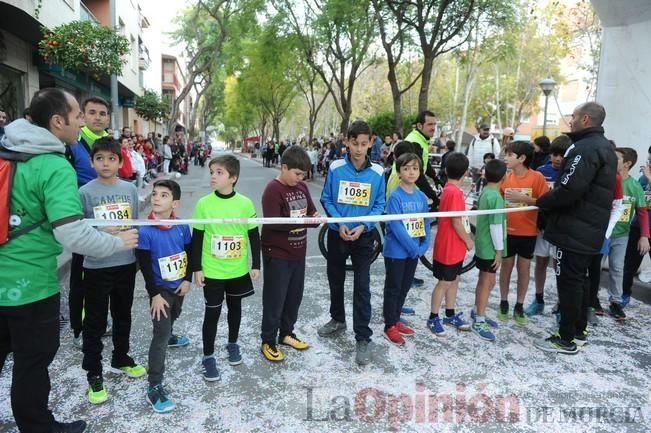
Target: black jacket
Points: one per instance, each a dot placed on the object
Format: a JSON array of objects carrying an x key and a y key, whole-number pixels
[{"x": 578, "y": 208}]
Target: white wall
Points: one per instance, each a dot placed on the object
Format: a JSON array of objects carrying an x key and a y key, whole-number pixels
[
  {"x": 53, "y": 12},
  {"x": 624, "y": 85}
]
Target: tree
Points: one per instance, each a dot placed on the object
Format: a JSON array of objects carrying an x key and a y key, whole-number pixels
[
  {"x": 150, "y": 107},
  {"x": 306, "y": 79},
  {"x": 334, "y": 37}
]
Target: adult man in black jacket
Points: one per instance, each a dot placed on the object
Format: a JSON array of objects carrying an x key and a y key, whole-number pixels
[{"x": 578, "y": 210}]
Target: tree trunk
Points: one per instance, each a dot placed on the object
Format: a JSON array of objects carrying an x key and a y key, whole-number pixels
[
  {"x": 467, "y": 90},
  {"x": 423, "y": 95},
  {"x": 497, "y": 97},
  {"x": 276, "y": 126},
  {"x": 397, "y": 99}
]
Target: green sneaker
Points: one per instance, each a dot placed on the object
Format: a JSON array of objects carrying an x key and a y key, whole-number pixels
[
  {"x": 96, "y": 390},
  {"x": 503, "y": 314},
  {"x": 520, "y": 318},
  {"x": 135, "y": 370}
]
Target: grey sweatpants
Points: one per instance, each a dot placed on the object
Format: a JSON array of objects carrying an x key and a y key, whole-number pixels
[{"x": 161, "y": 336}]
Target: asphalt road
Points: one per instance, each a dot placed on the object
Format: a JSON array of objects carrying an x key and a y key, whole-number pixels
[{"x": 454, "y": 384}]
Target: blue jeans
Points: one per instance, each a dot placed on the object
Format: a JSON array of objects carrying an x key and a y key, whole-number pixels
[
  {"x": 360, "y": 252},
  {"x": 397, "y": 282}
]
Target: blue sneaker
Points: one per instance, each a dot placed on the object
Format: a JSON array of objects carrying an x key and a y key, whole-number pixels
[
  {"x": 178, "y": 341},
  {"x": 405, "y": 322},
  {"x": 157, "y": 397},
  {"x": 493, "y": 324},
  {"x": 625, "y": 300},
  {"x": 407, "y": 311},
  {"x": 210, "y": 372},
  {"x": 483, "y": 330},
  {"x": 534, "y": 308},
  {"x": 436, "y": 327},
  {"x": 457, "y": 322},
  {"x": 234, "y": 357}
]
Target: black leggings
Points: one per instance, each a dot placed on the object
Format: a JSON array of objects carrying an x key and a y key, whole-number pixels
[{"x": 211, "y": 317}]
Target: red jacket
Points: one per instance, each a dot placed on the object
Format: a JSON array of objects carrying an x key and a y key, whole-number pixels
[{"x": 126, "y": 171}]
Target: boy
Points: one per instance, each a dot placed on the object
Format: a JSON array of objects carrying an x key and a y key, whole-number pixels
[
  {"x": 450, "y": 246},
  {"x": 544, "y": 250},
  {"x": 634, "y": 199},
  {"x": 354, "y": 187},
  {"x": 220, "y": 261},
  {"x": 490, "y": 242},
  {"x": 111, "y": 278},
  {"x": 163, "y": 255},
  {"x": 283, "y": 253},
  {"x": 521, "y": 187},
  {"x": 404, "y": 242}
]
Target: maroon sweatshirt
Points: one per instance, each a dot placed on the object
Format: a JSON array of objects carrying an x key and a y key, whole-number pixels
[{"x": 286, "y": 241}]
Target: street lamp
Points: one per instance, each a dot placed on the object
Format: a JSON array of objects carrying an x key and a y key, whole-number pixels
[{"x": 547, "y": 85}]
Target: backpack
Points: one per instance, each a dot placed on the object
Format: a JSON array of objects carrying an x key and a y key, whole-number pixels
[{"x": 8, "y": 162}]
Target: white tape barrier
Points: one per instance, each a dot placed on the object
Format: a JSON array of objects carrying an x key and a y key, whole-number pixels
[{"x": 305, "y": 220}]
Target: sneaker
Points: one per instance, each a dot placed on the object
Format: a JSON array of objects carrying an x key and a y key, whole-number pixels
[
  {"x": 331, "y": 328},
  {"x": 234, "y": 356},
  {"x": 294, "y": 342},
  {"x": 436, "y": 327},
  {"x": 134, "y": 370},
  {"x": 520, "y": 318},
  {"x": 457, "y": 322},
  {"x": 493, "y": 324},
  {"x": 178, "y": 341},
  {"x": 271, "y": 352},
  {"x": 535, "y": 308},
  {"x": 210, "y": 371},
  {"x": 417, "y": 282},
  {"x": 626, "y": 299},
  {"x": 581, "y": 339},
  {"x": 68, "y": 427},
  {"x": 363, "y": 355},
  {"x": 556, "y": 345},
  {"x": 593, "y": 320},
  {"x": 96, "y": 390},
  {"x": 405, "y": 329},
  {"x": 503, "y": 314},
  {"x": 407, "y": 311},
  {"x": 599, "y": 311},
  {"x": 405, "y": 322},
  {"x": 393, "y": 335},
  {"x": 483, "y": 330},
  {"x": 157, "y": 397},
  {"x": 617, "y": 312}
]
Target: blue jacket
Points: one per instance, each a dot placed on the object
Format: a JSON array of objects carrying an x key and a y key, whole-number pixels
[
  {"x": 376, "y": 150},
  {"x": 398, "y": 244},
  {"x": 79, "y": 157},
  {"x": 343, "y": 170}
]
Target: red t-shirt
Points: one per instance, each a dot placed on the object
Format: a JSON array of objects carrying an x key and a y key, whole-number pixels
[
  {"x": 126, "y": 171},
  {"x": 285, "y": 241},
  {"x": 449, "y": 248}
]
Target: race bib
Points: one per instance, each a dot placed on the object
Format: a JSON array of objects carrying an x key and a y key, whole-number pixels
[
  {"x": 466, "y": 224},
  {"x": 647, "y": 196},
  {"x": 227, "y": 247},
  {"x": 415, "y": 227},
  {"x": 626, "y": 213},
  {"x": 355, "y": 193},
  {"x": 173, "y": 268},
  {"x": 526, "y": 191},
  {"x": 297, "y": 213},
  {"x": 113, "y": 211}
]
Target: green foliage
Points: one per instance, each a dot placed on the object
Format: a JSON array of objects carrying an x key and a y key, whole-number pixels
[
  {"x": 382, "y": 123},
  {"x": 151, "y": 107},
  {"x": 85, "y": 47}
]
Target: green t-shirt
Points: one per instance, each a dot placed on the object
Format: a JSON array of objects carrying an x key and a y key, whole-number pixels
[
  {"x": 633, "y": 199},
  {"x": 490, "y": 198},
  {"x": 225, "y": 251},
  {"x": 44, "y": 186}
]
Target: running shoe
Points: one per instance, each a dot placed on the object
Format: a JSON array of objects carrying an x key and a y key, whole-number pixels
[
  {"x": 405, "y": 330},
  {"x": 393, "y": 336},
  {"x": 503, "y": 314},
  {"x": 271, "y": 352},
  {"x": 68, "y": 427},
  {"x": 520, "y": 318},
  {"x": 457, "y": 322},
  {"x": 554, "y": 344},
  {"x": 534, "y": 308},
  {"x": 483, "y": 330},
  {"x": 210, "y": 371},
  {"x": 493, "y": 324},
  {"x": 581, "y": 339},
  {"x": 157, "y": 397},
  {"x": 436, "y": 327},
  {"x": 96, "y": 390},
  {"x": 294, "y": 342},
  {"x": 331, "y": 329},
  {"x": 617, "y": 312},
  {"x": 407, "y": 311},
  {"x": 178, "y": 341},
  {"x": 234, "y": 356}
]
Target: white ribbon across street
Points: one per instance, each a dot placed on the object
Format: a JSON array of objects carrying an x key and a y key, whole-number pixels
[{"x": 303, "y": 220}]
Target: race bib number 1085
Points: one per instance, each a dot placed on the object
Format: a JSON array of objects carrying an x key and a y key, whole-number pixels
[{"x": 355, "y": 193}]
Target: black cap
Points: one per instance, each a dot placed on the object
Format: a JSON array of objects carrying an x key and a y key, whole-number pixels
[{"x": 484, "y": 126}]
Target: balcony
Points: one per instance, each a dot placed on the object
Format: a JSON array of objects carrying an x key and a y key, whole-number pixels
[
  {"x": 86, "y": 15},
  {"x": 143, "y": 59}
]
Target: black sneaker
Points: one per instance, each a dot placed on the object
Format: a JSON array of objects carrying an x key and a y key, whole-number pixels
[
  {"x": 68, "y": 427},
  {"x": 616, "y": 311},
  {"x": 417, "y": 282},
  {"x": 555, "y": 344}
]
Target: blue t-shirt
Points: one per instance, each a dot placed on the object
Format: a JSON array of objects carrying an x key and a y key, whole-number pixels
[
  {"x": 550, "y": 173},
  {"x": 167, "y": 249},
  {"x": 407, "y": 239}
]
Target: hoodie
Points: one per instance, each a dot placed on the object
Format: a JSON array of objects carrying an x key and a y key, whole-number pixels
[{"x": 23, "y": 136}]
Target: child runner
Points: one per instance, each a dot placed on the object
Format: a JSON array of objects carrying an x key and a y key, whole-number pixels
[
  {"x": 283, "y": 253},
  {"x": 634, "y": 200},
  {"x": 220, "y": 259},
  {"x": 450, "y": 246},
  {"x": 354, "y": 187},
  {"x": 163, "y": 255},
  {"x": 112, "y": 278},
  {"x": 404, "y": 242},
  {"x": 521, "y": 187},
  {"x": 490, "y": 242},
  {"x": 544, "y": 250}
]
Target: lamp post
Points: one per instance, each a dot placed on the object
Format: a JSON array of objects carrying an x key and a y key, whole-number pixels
[{"x": 547, "y": 85}]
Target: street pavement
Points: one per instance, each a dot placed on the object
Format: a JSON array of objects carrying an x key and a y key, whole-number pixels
[{"x": 454, "y": 384}]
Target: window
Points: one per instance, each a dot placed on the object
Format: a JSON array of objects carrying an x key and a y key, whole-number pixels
[
  {"x": 134, "y": 54},
  {"x": 12, "y": 96}
]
